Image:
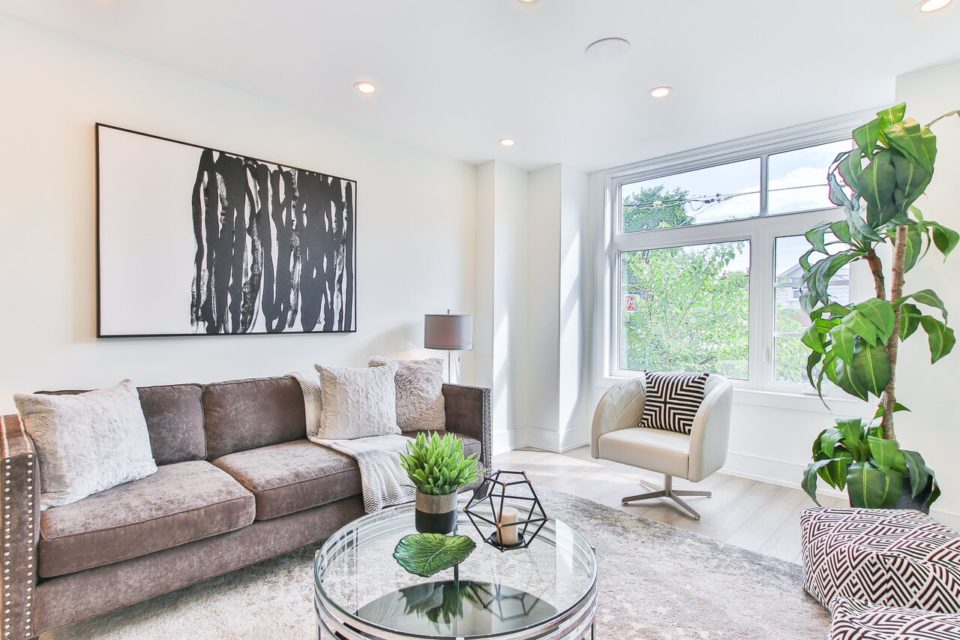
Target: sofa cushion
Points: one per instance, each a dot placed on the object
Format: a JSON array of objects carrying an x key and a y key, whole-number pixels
[
  {"x": 292, "y": 476},
  {"x": 174, "y": 418},
  {"x": 247, "y": 414},
  {"x": 180, "y": 503}
]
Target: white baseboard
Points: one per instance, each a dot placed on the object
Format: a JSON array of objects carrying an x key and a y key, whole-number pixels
[
  {"x": 550, "y": 440},
  {"x": 789, "y": 474}
]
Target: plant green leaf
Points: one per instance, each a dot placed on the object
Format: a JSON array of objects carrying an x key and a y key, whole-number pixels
[
  {"x": 940, "y": 337},
  {"x": 872, "y": 488},
  {"x": 886, "y": 453},
  {"x": 844, "y": 343},
  {"x": 856, "y": 322},
  {"x": 881, "y": 314},
  {"x": 926, "y": 297},
  {"x": 944, "y": 238},
  {"x": 425, "y": 554},
  {"x": 876, "y": 187},
  {"x": 909, "y": 319},
  {"x": 917, "y": 470},
  {"x": 917, "y": 143}
]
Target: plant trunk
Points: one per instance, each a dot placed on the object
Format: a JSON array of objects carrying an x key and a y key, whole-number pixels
[
  {"x": 893, "y": 344},
  {"x": 876, "y": 269}
]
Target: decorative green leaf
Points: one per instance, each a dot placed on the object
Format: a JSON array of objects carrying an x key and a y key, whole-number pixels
[
  {"x": 886, "y": 453},
  {"x": 859, "y": 325},
  {"x": 437, "y": 465},
  {"x": 945, "y": 239},
  {"x": 850, "y": 167},
  {"x": 837, "y": 195},
  {"x": 896, "y": 407},
  {"x": 911, "y": 180},
  {"x": 881, "y": 314},
  {"x": 872, "y": 488},
  {"x": 835, "y": 472},
  {"x": 844, "y": 342},
  {"x": 816, "y": 237},
  {"x": 940, "y": 337},
  {"x": 917, "y": 470},
  {"x": 869, "y": 372},
  {"x": 859, "y": 227},
  {"x": 841, "y": 229},
  {"x": 913, "y": 141},
  {"x": 909, "y": 320},
  {"x": 810, "y": 474},
  {"x": 425, "y": 554},
  {"x": 927, "y": 297},
  {"x": 867, "y": 135},
  {"x": 876, "y": 187}
]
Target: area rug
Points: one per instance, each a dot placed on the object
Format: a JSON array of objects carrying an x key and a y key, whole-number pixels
[{"x": 656, "y": 582}]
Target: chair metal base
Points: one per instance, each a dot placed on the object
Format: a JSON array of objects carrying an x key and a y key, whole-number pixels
[{"x": 674, "y": 494}]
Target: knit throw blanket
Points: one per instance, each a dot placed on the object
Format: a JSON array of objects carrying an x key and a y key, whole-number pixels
[{"x": 384, "y": 481}]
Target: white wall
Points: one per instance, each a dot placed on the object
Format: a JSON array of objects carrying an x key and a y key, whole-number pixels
[
  {"x": 501, "y": 275},
  {"x": 933, "y": 425},
  {"x": 416, "y": 216}
]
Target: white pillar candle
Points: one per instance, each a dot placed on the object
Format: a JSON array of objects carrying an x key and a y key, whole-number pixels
[{"x": 508, "y": 531}]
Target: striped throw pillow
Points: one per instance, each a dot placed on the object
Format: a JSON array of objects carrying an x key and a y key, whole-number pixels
[{"x": 672, "y": 400}]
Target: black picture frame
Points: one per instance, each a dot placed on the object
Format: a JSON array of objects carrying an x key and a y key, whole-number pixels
[{"x": 350, "y": 272}]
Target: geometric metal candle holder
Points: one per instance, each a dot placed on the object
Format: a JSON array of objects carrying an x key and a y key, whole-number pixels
[{"x": 486, "y": 507}]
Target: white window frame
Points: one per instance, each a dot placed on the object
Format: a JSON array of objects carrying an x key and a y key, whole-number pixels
[{"x": 761, "y": 231}]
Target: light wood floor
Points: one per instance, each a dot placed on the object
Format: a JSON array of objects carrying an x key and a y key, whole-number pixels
[{"x": 754, "y": 515}]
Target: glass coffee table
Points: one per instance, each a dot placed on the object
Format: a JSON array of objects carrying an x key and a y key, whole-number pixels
[{"x": 545, "y": 591}]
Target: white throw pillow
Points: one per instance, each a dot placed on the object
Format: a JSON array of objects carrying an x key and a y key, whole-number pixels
[
  {"x": 357, "y": 403},
  {"x": 420, "y": 402},
  {"x": 88, "y": 442}
]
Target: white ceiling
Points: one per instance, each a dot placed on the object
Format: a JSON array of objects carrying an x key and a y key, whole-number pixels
[{"x": 455, "y": 76}]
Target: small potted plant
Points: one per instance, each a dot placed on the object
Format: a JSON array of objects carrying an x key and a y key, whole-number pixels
[{"x": 438, "y": 468}]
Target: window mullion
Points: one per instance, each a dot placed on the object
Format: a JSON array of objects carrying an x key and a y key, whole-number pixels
[{"x": 764, "y": 183}]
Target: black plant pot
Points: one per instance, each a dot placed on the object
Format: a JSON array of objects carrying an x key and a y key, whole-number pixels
[
  {"x": 436, "y": 514},
  {"x": 907, "y": 501}
]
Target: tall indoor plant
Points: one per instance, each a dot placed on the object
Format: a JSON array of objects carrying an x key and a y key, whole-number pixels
[{"x": 855, "y": 345}]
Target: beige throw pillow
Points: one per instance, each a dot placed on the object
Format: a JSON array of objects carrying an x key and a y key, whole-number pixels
[
  {"x": 420, "y": 402},
  {"x": 357, "y": 403},
  {"x": 87, "y": 442}
]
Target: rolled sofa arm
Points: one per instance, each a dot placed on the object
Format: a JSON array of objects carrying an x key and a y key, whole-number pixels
[
  {"x": 620, "y": 407},
  {"x": 468, "y": 413},
  {"x": 21, "y": 528}
]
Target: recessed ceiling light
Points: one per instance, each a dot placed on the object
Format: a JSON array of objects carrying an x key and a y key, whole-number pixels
[
  {"x": 608, "y": 48},
  {"x": 528, "y": 1},
  {"x": 929, "y": 6},
  {"x": 507, "y": 142},
  {"x": 365, "y": 87},
  {"x": 661, "y": 92}
]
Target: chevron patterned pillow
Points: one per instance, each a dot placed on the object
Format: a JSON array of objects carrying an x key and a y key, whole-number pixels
[
  {"x": 891, "y": 557},
  {"x": 672, "y": 400},
  {"x": 855, "y": 620}
]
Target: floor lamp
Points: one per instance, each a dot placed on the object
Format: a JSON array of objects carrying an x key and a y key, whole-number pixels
[{"x": 448, "y": 332}]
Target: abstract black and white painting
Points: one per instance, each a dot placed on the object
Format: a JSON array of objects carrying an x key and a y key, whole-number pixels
[{"x": 193, "y": 240}]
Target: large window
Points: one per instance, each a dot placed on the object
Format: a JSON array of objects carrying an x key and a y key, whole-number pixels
[
  {"x": 686, "y": 309},
  {"x": 703, "y": 254}
]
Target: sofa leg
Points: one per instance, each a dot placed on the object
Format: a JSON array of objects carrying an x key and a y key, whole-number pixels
[{"x": 674, "y": 494}]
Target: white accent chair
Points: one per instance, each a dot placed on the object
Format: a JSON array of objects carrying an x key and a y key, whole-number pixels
[{"x": 617, "y": 436}]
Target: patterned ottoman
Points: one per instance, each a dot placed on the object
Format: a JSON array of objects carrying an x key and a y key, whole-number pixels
[
  {"x": 897, "y": 558},
  {"x": 855, "y": 620}
]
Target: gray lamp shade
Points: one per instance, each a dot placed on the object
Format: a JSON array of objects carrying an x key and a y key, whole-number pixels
[{"x": 448, "y": 332}]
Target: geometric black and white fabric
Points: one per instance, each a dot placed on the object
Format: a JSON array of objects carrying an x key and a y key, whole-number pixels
[
  {"x": 672, "y": 400},
  {"x": 855, "y": 620},
  {"x": 891, "y": 557}
]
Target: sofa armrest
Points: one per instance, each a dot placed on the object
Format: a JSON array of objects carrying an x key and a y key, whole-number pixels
[
  {"x": 619, "y": 408},
  {"x": 468, "y": 413},
  {"x": 21, "y": 528}
]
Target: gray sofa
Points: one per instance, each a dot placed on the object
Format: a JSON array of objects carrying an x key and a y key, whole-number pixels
[{"x": 237, "y": 483}]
